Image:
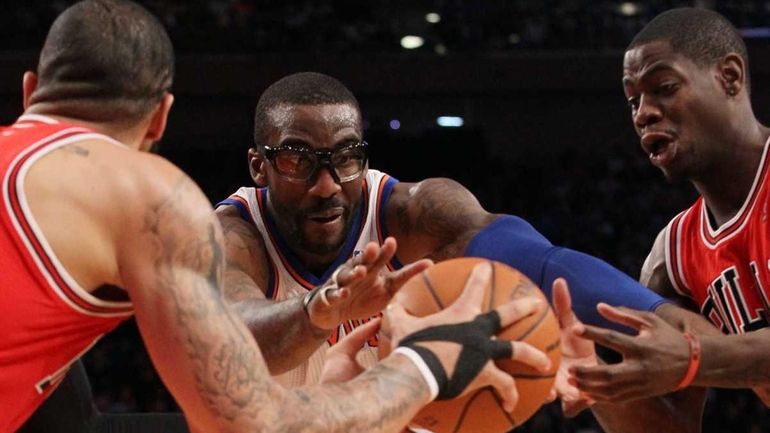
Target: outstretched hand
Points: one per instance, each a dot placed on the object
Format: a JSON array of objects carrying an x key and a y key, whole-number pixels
[
  {"x": 575, "y": 351},
  {"x": 658, "y": 351},
  {"x": 465, "y": 313},
  {"x": 361, "y": 287}
]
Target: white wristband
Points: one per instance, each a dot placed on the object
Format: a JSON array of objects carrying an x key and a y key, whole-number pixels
[{"x": 422, "y": 367}]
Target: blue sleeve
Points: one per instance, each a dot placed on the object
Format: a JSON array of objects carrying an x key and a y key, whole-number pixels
[{"x": 513, "y": 241}]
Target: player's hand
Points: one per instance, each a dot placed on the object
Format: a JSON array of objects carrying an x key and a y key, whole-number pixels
[
  {"x": 575, "y": 351},
  {"x": 341, "y": 364},
  {"x": 658, "y": 351},
  {"x": 399, "y": 324},
  {"x": 361, "y": 287}
]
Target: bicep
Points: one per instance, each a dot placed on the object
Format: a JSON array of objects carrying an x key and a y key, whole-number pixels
[
  {"x": 245, "y": 268},
  {"x": 433, "y": 218},
  {"x": 654, "y": 274}
]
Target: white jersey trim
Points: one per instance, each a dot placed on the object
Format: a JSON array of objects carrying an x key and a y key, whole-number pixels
[
  {"x": 675, "y": 257},
  {"x": 77, "y": 290},
  {"x": 743, "y": 210}
]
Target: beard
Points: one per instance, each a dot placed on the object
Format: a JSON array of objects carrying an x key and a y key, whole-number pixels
[{"x": 292, "y": 223}]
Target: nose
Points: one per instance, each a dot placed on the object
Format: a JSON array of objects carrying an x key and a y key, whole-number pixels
[
  {"x": 647, "y": 113},
  {"x": 324, "y": 184}
]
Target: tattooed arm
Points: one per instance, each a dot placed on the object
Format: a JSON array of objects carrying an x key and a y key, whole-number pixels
[
  {"x": 171, "y": 261},
  {"x": 285, "y": 333},
  {"x": 434, "y": 218}
]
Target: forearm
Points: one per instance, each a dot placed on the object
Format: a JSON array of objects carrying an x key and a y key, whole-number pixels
[
  {"x": 382, "y": 399},
  {"x": 675, "y": 413},
  {"x": 283, "y": 331},
  {"x": 735, "y": 361}
]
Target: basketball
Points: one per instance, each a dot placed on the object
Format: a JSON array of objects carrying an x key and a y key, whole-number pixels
[{"x": 481, "y": 410}]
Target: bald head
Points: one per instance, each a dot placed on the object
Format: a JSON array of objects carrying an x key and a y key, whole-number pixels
[{"x": 104, "y": 60}]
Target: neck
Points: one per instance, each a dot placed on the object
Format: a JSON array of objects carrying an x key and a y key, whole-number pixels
[
  {"x": 129, "y": 135},
  {"x": 727, "y": 183}
]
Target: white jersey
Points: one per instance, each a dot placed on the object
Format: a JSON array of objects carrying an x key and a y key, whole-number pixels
[{"x": 289, "y": 278}]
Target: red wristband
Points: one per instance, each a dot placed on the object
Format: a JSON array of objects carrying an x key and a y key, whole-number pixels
[{"x": 694, "y": 360}]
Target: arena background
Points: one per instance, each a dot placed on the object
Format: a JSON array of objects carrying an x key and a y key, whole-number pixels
[{"x": 546, "y": 132}]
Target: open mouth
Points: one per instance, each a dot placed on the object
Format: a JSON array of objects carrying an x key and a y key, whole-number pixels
[
  {"x": 326, "y": 216},
  {"x": 325, "y": 219},
  {"x": 658, "y": 146}
]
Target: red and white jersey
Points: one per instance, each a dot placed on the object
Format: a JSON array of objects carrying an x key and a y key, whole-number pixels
[
  {"x": 47, "y": 319},
  {"x": 289, "y": 278},
  {"x": 725, "y": 270}
]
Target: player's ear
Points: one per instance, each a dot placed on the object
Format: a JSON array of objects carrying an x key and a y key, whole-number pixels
[
  {"x": 257, "y": 167},
  {"x": 158, "y": 122},
  {"x": 28, "y": 85},
  {"x": 732, "y": 74}
]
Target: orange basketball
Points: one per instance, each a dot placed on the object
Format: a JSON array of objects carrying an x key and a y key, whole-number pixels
[{"x": 481, "y": 410}]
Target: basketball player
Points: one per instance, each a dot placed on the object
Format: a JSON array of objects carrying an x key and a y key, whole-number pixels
[
  {"x": 317, "y": 203},
  {"x": 95, "y": 229},
  {"x": 686, "y": 79}
]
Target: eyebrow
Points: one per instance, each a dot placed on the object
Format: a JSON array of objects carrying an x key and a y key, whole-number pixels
[{"x": 655, "y": 68}]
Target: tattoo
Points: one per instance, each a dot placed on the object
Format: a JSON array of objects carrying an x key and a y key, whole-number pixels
[
  {"x": 390, "y": 395},
  {"x": 189, "y": 264},
  {"x": 75, "y": 149},
  {"x": 245, "y": 259},
  {"x": 443, "y": 210},
  {"x": 223, "y": 361}
]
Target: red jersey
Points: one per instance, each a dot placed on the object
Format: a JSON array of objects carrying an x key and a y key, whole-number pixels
[
  {"x": 47, "y": 319},
  {"x": 725, "y": 270}
]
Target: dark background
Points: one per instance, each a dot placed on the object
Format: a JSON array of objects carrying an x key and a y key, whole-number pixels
[{"x": 547, "y": 134}]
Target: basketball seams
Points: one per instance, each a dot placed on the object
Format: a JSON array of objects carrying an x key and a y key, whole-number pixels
[
  {"x": 431, "y": 290},
  {"x": 534, "y": 326},
  {"x": 469, "y": 403}
]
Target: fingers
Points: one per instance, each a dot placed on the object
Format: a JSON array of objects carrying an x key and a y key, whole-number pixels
[
  {"x": 472, "y": 295},
  {"x": 504, "y": 384},
  {"x": 397, "y": 278},
  {"x": 572, "y": 408},
  {"x": 518, "y": 309},
  {"x": 369, "y": 263},
  {"x": 612, "y": 339},
  {"x": 400, "y": 323},
  {"x": 624, "y": 316},
  {"x": 353, "y": 342},
  {"x": 604, "y": 382},
  {"x": 562, "y": 304},
  {"x": 528, "y": 354}
]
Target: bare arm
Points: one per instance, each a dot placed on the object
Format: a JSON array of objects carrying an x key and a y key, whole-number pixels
[
  {"x": 677, "y": 412},
  {"x": 282, "y": 329},
  {"x": 172, "y": 263},
  {"x": 434, "y": 218},
  {"x": 288, "y": 333}
]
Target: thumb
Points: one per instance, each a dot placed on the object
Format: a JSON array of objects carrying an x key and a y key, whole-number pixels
[{"x": 353, "y": 342}]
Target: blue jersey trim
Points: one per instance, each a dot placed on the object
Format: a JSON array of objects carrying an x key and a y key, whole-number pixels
[
  {"x": 383, "y": 201},
  {"x": 243, "y": 211}
]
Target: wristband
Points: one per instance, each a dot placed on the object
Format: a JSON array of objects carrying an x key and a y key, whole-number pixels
[
  {"x": 423, "y": 369},
  {"x": 692, "y": 368}
]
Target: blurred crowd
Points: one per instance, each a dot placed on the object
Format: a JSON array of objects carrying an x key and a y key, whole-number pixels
[{"x": 341, "y": 25}]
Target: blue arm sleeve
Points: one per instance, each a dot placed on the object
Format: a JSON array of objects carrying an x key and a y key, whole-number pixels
[{"x": 513, "y": 241}]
